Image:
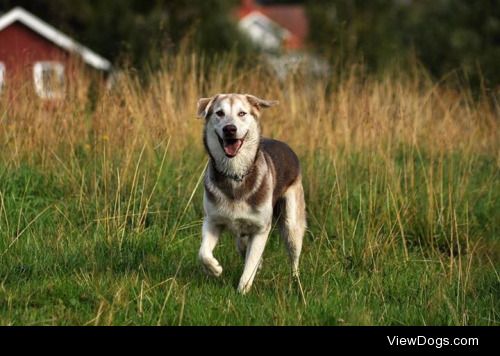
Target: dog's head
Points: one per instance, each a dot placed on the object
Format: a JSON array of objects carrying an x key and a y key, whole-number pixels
[{"x": 231, "y": 122}]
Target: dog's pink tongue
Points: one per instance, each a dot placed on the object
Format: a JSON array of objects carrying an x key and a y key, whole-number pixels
[{"x": 231, "y": 147}]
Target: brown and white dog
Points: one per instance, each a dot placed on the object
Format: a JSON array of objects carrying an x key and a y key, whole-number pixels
[{"x": 249, "y": 179}]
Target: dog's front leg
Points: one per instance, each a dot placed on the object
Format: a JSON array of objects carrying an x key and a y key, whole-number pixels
[
  {"x": 255, "y": 249},
  {"x": 210, "y": 236}
]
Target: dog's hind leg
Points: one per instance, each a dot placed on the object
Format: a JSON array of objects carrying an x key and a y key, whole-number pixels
[
  {"x": 241, "y": 244},
  {"x": 210, "y": 237},
  {"x": 292, "y": 222}
]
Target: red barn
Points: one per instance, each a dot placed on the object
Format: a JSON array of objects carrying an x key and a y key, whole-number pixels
[{"x": 32, "y": 51}]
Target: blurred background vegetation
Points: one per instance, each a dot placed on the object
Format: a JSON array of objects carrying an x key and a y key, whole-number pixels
[{"x": 445, "y": 36}]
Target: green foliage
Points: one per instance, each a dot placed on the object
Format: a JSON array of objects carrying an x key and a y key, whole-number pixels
[{"x": 444, "y": 35}]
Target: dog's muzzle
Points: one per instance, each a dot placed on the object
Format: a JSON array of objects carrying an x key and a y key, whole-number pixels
[{"x": 230, "y": 145}]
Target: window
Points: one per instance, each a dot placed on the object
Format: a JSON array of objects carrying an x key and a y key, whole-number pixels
[
  {"x": 49, "y": 79},
  {"x": 2, "y": 75}
]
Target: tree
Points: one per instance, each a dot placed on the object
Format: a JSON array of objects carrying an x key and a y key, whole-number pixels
[{"x": 444, "y": 35}]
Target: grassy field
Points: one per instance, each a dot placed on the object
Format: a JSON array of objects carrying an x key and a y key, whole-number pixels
[{"x": 100, "y": 204}]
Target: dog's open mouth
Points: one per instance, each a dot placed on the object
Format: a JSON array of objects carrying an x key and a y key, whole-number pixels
[{"x": 231, "y": 146}]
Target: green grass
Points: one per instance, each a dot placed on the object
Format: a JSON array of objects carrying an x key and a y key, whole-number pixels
[{"x": 404, "y": 238}]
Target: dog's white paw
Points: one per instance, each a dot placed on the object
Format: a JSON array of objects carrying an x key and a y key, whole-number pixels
[
  {"x": 214, "y": 270},
  {"x": 211, "y": 266},
  {"x": 244, "y": 288}
]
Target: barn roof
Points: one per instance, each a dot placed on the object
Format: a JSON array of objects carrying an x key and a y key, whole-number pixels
[{"x": 57, "y": 37}]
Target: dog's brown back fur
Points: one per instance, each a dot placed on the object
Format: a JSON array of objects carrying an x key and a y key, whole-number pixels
[{"x": 284, "y": 163}]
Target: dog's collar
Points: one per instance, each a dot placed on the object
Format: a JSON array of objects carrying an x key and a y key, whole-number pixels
[{"x": 236, "y": 177}]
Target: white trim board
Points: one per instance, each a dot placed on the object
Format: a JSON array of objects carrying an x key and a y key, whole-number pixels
[
  {"x": 54, "y": 35},
  {"x": 257, "y": 15}
]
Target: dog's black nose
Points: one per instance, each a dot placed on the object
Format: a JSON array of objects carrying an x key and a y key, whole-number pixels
[{"x": 229, "y": 130}]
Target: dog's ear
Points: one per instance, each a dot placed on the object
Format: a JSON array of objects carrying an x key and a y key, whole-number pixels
[
  {"x": 204, "y": 105},
  {"x": 259, "y": 103}
]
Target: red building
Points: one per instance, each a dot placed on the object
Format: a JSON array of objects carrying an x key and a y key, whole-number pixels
[
  {"x": 35, "y": 53},
  {"x": 274, "y": 27}
]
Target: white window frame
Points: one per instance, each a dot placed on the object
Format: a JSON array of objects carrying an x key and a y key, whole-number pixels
[
  {"x": 41, "y": 90},
  {"x": 2, "y": 76}
]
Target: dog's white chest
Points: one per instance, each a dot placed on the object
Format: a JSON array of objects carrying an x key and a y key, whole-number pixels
[{"x": 239, "y": 217}]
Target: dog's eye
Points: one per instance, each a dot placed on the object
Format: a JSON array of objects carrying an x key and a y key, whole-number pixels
[
  {"x": 242, "y": 113},
  {"x": 220, "y": 113}
]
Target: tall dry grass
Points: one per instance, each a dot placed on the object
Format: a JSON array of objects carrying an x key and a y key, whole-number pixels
[{"x": 350, "y": 112}]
